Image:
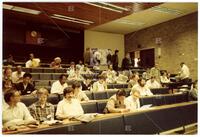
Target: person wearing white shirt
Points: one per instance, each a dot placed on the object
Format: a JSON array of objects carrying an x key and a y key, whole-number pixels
[
  {"x": 13, "y": 109},
  {"x": 59, "y": 85},
  {"x": 69, "y": 107},
  {"x": 33, "y": 62},
  {"x": 184, "y": 73},
  {"x": 164, "y": 78},
  {"x": 85, "y": 70},
  {"x": 78, "y": 93},
  {"x": 116, "y": 103},
  {"x": 142, "y": 88},
  {"x": 71, "y": 70},
  {"x": 100, "y": 85},
  {"x": 152, "y": 83},
  {"x": 17, "y": 75},
  {"x": 133, "y": 102},
  {"x": 75, "y": 76}
]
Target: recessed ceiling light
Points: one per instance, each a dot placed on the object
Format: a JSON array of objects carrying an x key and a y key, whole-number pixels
[
  {"x": 20, "y": 9},
  {"x": 69, "y": 20},
  {"x": 72, "y": 18},
  {"x": 129, "y": 22},
  {"x": 115, "y": 6},
  {"x": 103, "y": 6},
  {"x": 167, "y": 10},
  {"x": 8, "y": 7}
]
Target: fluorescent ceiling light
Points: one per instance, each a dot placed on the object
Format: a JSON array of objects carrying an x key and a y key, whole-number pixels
[
  {"x": 129, "y": 22},
  {"x": 167, "y": 10},
  {"x": 72, "y": 18},
  {"x": 20, "y": 9},
  {"x": 65, "y": 19},
  {"x": 8, "y": 7},
  {"x": 112, "y": 5},
  {"x": 103, "y": 7}
]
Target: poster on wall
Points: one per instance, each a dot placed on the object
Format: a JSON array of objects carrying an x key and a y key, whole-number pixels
[{"x": 100, "y": 56}]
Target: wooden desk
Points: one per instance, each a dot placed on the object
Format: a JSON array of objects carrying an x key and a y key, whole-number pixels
[{"x": 166, "y": 117}]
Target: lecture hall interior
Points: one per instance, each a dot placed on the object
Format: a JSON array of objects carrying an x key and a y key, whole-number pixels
[{"x": 99, "y": 68}]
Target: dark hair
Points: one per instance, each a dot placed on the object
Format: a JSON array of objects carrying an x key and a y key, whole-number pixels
[
  {"x": 116, "y": 51},
  {"x": 102, "y": 77},
  {"x": 9, "y": 94},
  {"x": 27, "y": 75},
  {"x": 62, "y": 75},
  {"x": 76, "y": 84},
  {"x": 67, "y": 90},
  {"x": 140, "y": 79},
  {"x": 182, "y": 63},
  {"x": 121, "y": 92}
]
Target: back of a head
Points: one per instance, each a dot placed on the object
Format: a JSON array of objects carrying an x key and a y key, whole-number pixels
[
  {"x": 67, "y": 90},
  {"x": 76, "y": 84},
  {"x": 43, "y": 91},
  {"x": 27, "y": 75},
  {"x": 121, "y": 92},
  {"x": 62, "y": 75},
  {"x": 9, "y": 94}
]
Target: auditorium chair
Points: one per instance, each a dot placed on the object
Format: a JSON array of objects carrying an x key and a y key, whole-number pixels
[
  {"x": 111, "y": 93},
  {"x": 45, "y": 76},
  {"x": 53, "y": 99},
  {"x": 101, "y": 105},
  {"x": 160, "y": 91},
  {"x": 36, "y": 70},
  {"x": 35, "y": 76},
  {"x": 48, "y": 70},
  {"x": 89, "y": 107},
  {"x": 89, "y": 95},
  {"x": 28, "y": 99},
  {"x": 61, "y": 70},
  {"x": 100, "y": 95}
]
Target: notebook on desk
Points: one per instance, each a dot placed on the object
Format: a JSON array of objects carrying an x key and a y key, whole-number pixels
[{"x": 145, "y": 106}]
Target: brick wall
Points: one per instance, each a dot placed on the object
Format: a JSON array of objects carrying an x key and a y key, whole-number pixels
[{"x": 179, "y": 43}]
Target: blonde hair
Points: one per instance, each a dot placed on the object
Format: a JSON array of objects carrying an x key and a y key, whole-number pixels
[{"x": 42, "y": 91}]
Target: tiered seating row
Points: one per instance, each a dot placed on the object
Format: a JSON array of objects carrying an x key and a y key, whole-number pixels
[{"x": 97, "y": 106}]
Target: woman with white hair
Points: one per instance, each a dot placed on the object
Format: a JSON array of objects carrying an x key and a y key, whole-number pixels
[{"x": 56, "y": 63}]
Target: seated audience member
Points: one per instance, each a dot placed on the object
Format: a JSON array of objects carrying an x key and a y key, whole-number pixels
[
  {"x": 133, "y": 81},
  {"x": 56, "y": 63},
  {"x": 85, "y": 70},
  {"x": 121, "y": 79},
  {"x": 7, "y": 74},
  {"x": 17, "y": 75},
  {"x": 155, "y": 71},
  {"x": 9, "y": 61},
  {"x": 133, "y": 102},
  {"x": 116, "y": 103},
  {"x": 75, "y": 76},
  {"x": 42, "y": 110},
  {"x": 78, "y": 93},
  {"x": 71, "y": 70},
  {"x": 110, "y": 74},
  {"x": 25, "y": 86},
  {"x": 87, "y": 84},
  {"x": 59, "y": 85},
  {"x": 100, "y": 85},
  {"x": 152, "y": 83},
  {"x": 7, "y": 85},
  {"x": 164, "y": 78},
  {"x": 194, "y": 90},
  {"x": 32, "y": 62},
  {"x": 14, "y": 110},
  {"x": 69, "y": 107},
  {"x": 80, "y": 64},
  {"x": 146, "y": 75},
  {"x": 142, "y": 88}
]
